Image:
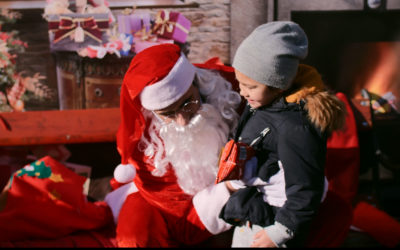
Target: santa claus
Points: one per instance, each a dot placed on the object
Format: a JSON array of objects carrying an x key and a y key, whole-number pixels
[{"x": 175, "y": 118}]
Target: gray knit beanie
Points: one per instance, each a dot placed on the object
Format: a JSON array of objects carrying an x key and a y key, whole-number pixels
[{"x": 271, "y": 53}]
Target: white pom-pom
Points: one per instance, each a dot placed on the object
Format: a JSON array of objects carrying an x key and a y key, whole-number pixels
[{"x": 124, "y": 173}]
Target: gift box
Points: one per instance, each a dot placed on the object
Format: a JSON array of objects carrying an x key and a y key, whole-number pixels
[
  {"x": 140, "y": 44},
  {"x": 72, "y": 32},
  {"x": 171, "y": 25},
  {"x": 129, "y": 24}
]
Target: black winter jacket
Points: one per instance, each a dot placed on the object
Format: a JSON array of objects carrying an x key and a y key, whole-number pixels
[
  {"x": 294, "y": 141},
  {"x": 291, "y": 155}
]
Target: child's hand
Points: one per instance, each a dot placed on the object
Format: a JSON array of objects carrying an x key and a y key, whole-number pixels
[
  {"x": 230, "y": 188},
  {"x": 261, "y": 239}
]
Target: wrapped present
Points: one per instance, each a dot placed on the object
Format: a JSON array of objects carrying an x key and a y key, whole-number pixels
[
  {"x": 172, "y": 25},
  {"x": 72, "y": 32},
  {"x": 124, "y": 24},
  {"x": 140, "y": 44},
  {"x": 139, "y": 21},
  {"x": 131, "y": 23}
]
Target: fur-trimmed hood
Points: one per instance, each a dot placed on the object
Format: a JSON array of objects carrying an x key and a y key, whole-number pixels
[{"x": 325, "y": 110}]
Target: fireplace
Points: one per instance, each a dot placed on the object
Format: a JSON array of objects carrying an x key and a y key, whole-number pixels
[
  {"x": 352, "y": 45},
  {"x": 355, "y": 49}
]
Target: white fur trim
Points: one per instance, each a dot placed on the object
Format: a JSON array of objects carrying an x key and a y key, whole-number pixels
[
  {"x": 116, "y": 198},
  {"x": 208, "y": 204},
  {"x": 167, "y": 91},
  {"x": 124, "y": 173}
]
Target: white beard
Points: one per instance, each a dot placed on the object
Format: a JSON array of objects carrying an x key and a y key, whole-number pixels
[{"x": 193, "y": 150}]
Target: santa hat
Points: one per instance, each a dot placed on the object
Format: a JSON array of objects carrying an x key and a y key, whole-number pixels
[{"x": 156, "y": 78}]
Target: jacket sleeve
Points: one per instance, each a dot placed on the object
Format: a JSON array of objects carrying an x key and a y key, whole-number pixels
[{"x": 301, "y": 150}]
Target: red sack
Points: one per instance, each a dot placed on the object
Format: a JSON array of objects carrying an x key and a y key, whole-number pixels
[
  {"x": 233, "y": 160},
  {"x": 45, "y": 200}
]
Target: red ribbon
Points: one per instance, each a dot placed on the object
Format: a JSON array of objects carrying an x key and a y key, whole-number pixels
[{"x": 67, "y": 25}]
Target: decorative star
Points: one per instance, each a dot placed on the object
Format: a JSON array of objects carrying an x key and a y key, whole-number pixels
[{"x": 56, "y": 177}]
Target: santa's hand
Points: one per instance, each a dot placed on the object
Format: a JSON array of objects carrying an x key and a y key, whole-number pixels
[{"x": 124, "y": 173}]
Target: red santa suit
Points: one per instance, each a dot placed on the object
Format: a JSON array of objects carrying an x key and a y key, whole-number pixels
[{"x": 154, "y": 211}]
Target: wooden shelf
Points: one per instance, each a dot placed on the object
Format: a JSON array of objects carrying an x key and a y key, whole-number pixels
[{"x": 59, "y": 126}]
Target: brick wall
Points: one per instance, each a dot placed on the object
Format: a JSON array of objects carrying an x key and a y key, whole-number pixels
[{"x": 210, "y": 32}]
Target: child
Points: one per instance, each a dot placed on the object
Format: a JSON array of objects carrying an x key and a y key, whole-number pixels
[{"x": 287, "y": 120}]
